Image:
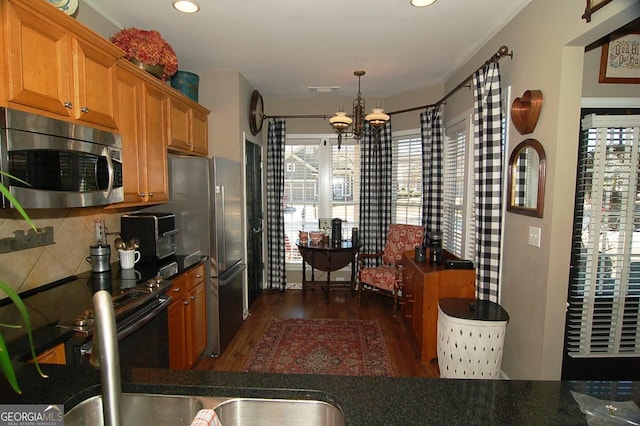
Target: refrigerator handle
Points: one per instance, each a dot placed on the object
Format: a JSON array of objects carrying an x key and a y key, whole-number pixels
[
  {"x": 230, "y": 278},
  {"x": 221, "y": 232}
]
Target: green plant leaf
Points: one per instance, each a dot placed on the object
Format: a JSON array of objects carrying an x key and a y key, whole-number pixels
[
  {"x": 5, "y": 191},
  {"x": 7, "y": 367}
]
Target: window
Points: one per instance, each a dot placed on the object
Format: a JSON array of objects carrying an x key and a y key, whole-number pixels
[
  {"x": 320, "y": 182},
  {"x": 407, "y": 173},
  {"x": 458, "y": 213},
  {"x": 604, "y": 288},
  {"x": 324, "y": 182}
]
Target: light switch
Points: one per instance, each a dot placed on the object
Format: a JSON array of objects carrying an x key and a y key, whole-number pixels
[{"x": 534, "y": 236}]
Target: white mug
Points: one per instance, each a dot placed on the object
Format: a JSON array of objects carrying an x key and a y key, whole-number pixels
[{"x": 128, "y": 258}]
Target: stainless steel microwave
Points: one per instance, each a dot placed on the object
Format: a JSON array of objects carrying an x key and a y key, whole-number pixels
[{"x": 56, "y": 164}]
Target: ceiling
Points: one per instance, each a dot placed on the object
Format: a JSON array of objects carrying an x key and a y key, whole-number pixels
[{"x": 284, "y": 46}]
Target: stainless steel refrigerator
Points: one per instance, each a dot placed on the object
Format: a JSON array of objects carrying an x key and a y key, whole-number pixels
[{"x": 206, "y": 198}]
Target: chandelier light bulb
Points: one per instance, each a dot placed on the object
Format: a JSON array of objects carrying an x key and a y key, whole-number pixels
[
  {"x": 377, "y": 118},
  {"x": 186, "y": 6},
  {"x": 340, "y": 121}
]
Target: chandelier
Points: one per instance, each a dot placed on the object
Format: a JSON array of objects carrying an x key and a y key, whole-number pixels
[{"x": 341, "y": 121}]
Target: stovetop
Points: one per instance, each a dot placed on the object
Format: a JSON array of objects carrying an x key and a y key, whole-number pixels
[
  {"x": 63, "y": 300},
  {"x": 126, "y": 300}
]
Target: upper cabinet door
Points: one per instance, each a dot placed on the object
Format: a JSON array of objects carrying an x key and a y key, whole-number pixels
[
  {"x": 179, "y": 124},
  {"x": 94, "y": 78},
  {"x": 199, "y": 132},
  {"x": 155, "y": 103},
  {"x": 187, "y": 127},
  {"x": 54, "y": 69},
  {"x": 128, "y": 92},
  {"x": 39, "y": 62}
]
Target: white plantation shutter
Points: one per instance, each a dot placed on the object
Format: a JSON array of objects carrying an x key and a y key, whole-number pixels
[
  {"x": 604, "y": 290},
  {"x": 454, "y": 188},
  {"x": 407, "y": 172},
  {"x": 459, "y": 226}
]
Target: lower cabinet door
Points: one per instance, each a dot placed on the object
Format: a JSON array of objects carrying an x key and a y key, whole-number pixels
[
  {"x": 177, "y": 335},
  {"x": 197, "y": 327}
]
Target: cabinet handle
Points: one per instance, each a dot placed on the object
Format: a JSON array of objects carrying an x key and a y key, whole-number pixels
[
  {"x": 176, "y": 289},
  {"x": 68, "y": 105},
  {"x": 186, "y": 302},
  {"x": 193, "y": 298},
  {"x": 408, "y": 316},
  {"x": 198, "y": 276},
  {"x": 151, "y": 194},
  {"x": 84, "y": 109},
  {"x": 141, "y": 194}
]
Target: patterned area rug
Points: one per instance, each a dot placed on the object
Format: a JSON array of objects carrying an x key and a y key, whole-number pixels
[{"x": 321, "y": 346}]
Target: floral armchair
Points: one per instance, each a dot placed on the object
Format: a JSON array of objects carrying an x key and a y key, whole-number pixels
[{"x": 386, "y": 279}]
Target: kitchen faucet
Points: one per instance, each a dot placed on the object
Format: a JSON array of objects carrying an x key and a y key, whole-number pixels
[{"x": 107, "y": 357}]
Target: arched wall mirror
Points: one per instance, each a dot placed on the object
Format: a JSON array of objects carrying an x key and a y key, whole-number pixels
[{"x": 526, "y": 178}]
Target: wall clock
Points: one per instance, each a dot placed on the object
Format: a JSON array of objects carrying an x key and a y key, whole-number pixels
[{"x": 256, "y": 112}]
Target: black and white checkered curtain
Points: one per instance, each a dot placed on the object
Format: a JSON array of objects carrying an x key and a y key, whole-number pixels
[
  {"x": 432, "y": 131},
  {"x": 375, "y": 188},
  {"x": 488, "y": 178},
  {"x": 277, "y": 276}
]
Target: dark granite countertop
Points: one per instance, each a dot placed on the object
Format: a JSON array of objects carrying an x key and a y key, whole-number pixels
[
  {"x": 364, "y": 400},
  {"x": 60, "y": 301}
]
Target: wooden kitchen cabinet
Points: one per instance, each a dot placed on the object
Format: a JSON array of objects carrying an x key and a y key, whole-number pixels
[
  {"x": 54, "y": 355},
  {"x": 57, "y": 66},
  {"x": 200, "y": 131},
  {"x": 423, "y": 287},
  {"x": 154, "y": 118},
  {"x": 144, "y": 157},
  {"x": 179, "y": 125},
  {"x": 187, "y": 319},
  {"x": 187, "y": 127}
]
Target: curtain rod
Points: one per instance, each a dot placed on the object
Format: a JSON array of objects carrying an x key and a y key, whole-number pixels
[{"x": 503, "y": 51}]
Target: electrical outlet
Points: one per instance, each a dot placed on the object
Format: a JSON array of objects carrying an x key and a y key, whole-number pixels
[{"x": 534, "y": 236}]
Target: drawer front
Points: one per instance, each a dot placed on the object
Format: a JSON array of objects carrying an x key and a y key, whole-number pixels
[{"x": 196, "y": 276}]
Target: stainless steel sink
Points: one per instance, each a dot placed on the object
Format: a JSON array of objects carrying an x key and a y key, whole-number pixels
[
  {"x": 138, "y": 409},
  {"x": 175, "y": 410},
  {"x": 278, "y": 412}
]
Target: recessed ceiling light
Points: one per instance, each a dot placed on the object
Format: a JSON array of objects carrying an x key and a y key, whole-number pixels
[
  {"x": 186, "y": 6},
  {"x": 422, "y": 3}
]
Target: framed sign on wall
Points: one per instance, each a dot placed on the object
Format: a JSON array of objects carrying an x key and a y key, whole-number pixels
[
  {"x": 620, "y": 60},
  {"x": 592, "y": 6}
]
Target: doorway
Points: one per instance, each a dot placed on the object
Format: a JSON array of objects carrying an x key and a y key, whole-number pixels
[
  {"x": 602, "y": 321},
  {"x": 255, "y": 264}
]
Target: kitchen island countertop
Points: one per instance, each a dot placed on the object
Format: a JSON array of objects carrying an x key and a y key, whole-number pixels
[{"x": 364, "y": 400}]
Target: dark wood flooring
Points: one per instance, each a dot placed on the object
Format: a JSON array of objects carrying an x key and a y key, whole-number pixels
[{"x": 342, "y": 305}]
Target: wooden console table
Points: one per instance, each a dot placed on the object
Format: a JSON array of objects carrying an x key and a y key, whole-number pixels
[
  {"x": 328, "y": 258},
  {"x": 423, "y": 287}
]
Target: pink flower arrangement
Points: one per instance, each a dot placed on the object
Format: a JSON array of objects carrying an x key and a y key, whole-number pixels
[{"x": 147, "y": 47}]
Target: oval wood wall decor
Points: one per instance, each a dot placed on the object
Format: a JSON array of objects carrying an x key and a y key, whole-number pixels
[{"x": 525, "y": 111}]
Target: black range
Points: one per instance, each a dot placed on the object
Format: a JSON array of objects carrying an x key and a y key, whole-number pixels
[{"x": 60, "y": 312}]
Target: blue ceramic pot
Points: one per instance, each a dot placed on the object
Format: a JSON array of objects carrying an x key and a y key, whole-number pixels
[{"x": 187, "y": 83}]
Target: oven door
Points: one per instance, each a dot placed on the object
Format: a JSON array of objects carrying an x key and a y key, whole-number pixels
[{"x": 143, "y": 337}]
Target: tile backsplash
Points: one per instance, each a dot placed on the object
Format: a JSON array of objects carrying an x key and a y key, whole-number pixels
[{"x": 73, "y": 234}]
